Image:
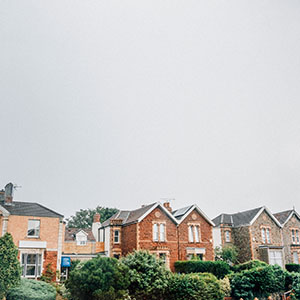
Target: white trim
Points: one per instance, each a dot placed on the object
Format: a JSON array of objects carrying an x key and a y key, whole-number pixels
[
  {"x": 200, "y": 212},
  {"x": 4, "y": 211},
  {"x": 264, "y": 208},
  {"x": 290, "y": 216},
  {"x": 81, "y": 231},
  {"x": 158, "y": 204}
]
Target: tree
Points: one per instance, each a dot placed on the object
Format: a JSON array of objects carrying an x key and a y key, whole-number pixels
[
  {"x": 10, "y": 271},
  {"x": 100, "y": 278},
  {"x": 84, "y": 217},
  {"x": 227, "y": 253},
  {"x": 148, "y": 276}
]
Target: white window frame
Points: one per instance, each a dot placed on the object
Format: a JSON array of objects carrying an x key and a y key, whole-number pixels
[
  {"x": 227, "y": 236},
  {"x": 155, "y": 232},
  {"x": 268, "y": 235},
  {"x": 197, "y": 233},
  {"x": 36, "y": 230},
  {"x": 162, "y": 232},
  {"x": 159, "y": 232},
  {"x": 191, "y": 234},
  {"x": 117, "y": 236},
  {"x": 38, "y": 265},
  {"x": 263, "y": 235},
  {"x": 297, "y": 237}
]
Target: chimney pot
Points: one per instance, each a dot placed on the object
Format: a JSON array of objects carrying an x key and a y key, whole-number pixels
[
  {"x": 167, "y": 206},
  {"x": 96, "y": 218}
]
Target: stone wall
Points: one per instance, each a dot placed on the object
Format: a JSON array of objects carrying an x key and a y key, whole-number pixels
[{"x": 242, "y": 238}]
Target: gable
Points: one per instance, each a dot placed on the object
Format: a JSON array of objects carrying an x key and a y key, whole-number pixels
[
  {"x": 199, "y": 212},
  {"x": 159, "y": 213},
  {"x": 264, "y": 216},
  {"x": 292, "y": 221},
  {"x": 194, "y": 215}
]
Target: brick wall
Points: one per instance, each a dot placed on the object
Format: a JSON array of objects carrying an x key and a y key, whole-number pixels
[
  {"x": 264, "y": 220},
  {"x": 49, "y": 227},
  {"x": 129, "y": 239},
  {"x": 289, "y": 247},
  {"x": 194, "y": 218},
  {"x": 242, "y": 238},
  {"x": 72, "y": 247},
  {"x": 145, "y": 236}
]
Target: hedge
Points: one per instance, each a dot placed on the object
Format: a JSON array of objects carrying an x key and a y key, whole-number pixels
[
  {"x": 293, "y": 268},
  {"x": 31, "y": 289},
  {"x": 249, "y": 265},
  {"x": 203, "y": 286},
  {"x": 218, "y": 268}
]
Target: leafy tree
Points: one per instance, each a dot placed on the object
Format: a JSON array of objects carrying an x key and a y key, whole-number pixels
[
  {"x": 148, "y": 276},
  {"x": 10, "y": 271},
  {"x": 100, "y": 278},
  {"x": 84, "y": 217},
  {"x": 227, "y": 253}
]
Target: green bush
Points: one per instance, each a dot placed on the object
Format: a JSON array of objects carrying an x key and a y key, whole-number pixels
[
  {"x": 258, "y": 282},
  {"x": 228, "y": 253},
  {"x": 203, "y": 286},
  {"x": 148, "y": 276},
  {"x": 218, "y": 268},
  {"x": 293, "y": 268},
  {"x": 10, "y": 271},
  {"x": 100, "y": 278},
  {"x": 225, "y": 286},
  {"x": 30, "y": 289},
  {"x": 249, "y": 265}
]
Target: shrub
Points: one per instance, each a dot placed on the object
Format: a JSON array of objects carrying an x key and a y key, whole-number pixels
[
  {"x": 48, "y": 275},
  {"x": 258, "y": 282},
  {"x": 10, "y": 271},
  {"x": 148, "y": 276},
  {"x": 203, "y": 286},
  {"x": 249, "y": 265},
  {"x": 290, "y": 277},
  {"x": 227, "y": 253},
  {"x": 32, "y": 290},
  {"x": 99, "y": 278},
  {"x": 219, "y": 268},
  {"x": 293, "y": 268},
  {"x": 225, "y": 286}
]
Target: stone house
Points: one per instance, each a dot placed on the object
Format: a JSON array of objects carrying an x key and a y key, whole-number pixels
[
  {"x": 37, "y": 231},
  {"x": 155, "y": 228},
  {"x": 256, "y": 233},
  {"x": 290, "y": 221}
]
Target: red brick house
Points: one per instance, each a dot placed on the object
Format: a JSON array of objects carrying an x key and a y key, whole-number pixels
[
  {"x": 37, "y": 231},
  {"x": 290, "y": 221},
  {"x": 256, "y": 233},
  {"x": 155, "y": 228}
]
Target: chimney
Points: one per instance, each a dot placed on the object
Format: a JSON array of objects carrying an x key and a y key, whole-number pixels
[
  {"x": 96, "y": 225},
  {"x": 96, "y": 218},
  {"x": 167, "y": 206},
  {"x": 8, "y": 194}
]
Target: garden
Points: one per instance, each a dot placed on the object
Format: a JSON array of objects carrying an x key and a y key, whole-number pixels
[{"x": 140, "y": 276}]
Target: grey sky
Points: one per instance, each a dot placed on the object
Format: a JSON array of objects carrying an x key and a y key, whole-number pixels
[{"x": 120, "y": 103}]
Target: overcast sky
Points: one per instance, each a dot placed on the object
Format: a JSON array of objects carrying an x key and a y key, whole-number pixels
[{"x": 120, "y": 103}]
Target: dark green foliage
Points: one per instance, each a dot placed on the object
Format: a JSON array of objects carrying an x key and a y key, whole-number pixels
[
  {"x": 48, "y": 275},
  {"x": 100, "y": 278},
  {"x": 219, "y": 268},
  {"x": 84, "y": 217},
  {"x": 32, "y": 290},
  {"x": 290, "y": 278},
  {"x": 203, "y": 286},
  {"x": 148, "y": 276},
  {"x": 10, "y": 271},
  {"x": 258, "y": 282},
  {"x": 293, "y": 267},
  {"x": 227, "y": 253},
  {"x": 249, "y": 265},
  {"x": 296, "y": 287}
]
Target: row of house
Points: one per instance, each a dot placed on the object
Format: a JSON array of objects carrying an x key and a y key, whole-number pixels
[{"x": 42, "y": 239}]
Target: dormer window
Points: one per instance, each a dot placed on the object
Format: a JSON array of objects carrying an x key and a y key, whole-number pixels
[
  {"x": 33, "y": 230},
  {"x": 81, "y": 238}
]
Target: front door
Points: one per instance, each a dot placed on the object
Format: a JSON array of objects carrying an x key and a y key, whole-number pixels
[{"x": 276, "y": 257}]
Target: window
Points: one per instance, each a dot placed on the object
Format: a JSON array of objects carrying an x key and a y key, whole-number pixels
[
  {"x": 193, "y": 256},
  {"x": 268, "y": 235},
  {"x": 295, "y": 236},
  {"x": 191, "y": 236},
  {"x": 117, "y": 236},
  {"x": 227, "y": 236},
  {"x": 102, "y": 235},
  {"x": 33, "y": 228},
  {"x": 159, "y": 232},
  {"x": 276, "y": 258},
  {"x": 81, "y": 239},
  {"x": 295, "y": 258},
  {"x": 117, "y": 256},
  {"x": 163, "y": 257},
  {"x": 194, "y": 233},
  {"x": 31, "y": 265}
]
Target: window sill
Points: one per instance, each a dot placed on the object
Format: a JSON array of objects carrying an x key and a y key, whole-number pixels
[{"x": 33, "y": 237}]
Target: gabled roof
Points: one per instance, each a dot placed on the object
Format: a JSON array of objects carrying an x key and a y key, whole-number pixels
[
  {"x": 137, "y": 215},
  {"x": 182, "y": 213},
  {"x": 70, "y": 234},
  {"x": 244, "y": 218},
  {"x": 30, "y": 209},
  {"x": 284, "y": 216}
]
